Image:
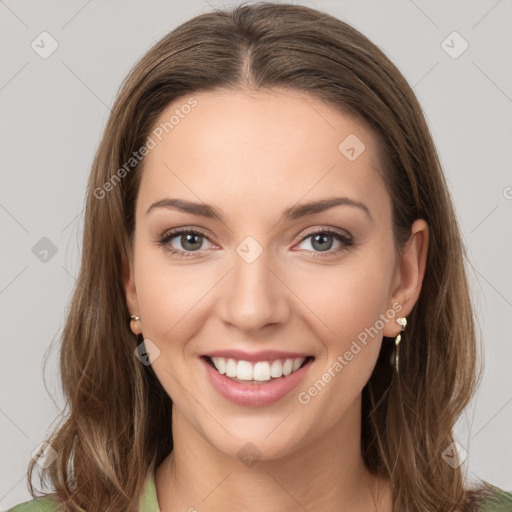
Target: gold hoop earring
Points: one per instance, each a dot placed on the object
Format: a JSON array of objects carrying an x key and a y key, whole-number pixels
[{"x": 402, "y": 321}]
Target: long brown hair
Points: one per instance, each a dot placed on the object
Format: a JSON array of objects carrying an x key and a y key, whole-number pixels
[{"x": 117, "y": 419}]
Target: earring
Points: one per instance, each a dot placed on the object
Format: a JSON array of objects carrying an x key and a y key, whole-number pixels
[
  {"x": 133, "y": 320},
  {"x": 402, "y": 321}
]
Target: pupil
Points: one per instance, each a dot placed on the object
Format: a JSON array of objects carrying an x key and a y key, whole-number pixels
[
  {"x": 187, "y": 241},
  {"x": 317, "y": 238}
]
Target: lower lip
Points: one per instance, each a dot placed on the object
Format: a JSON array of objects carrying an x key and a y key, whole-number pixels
[{"x": 255, "y": 395}]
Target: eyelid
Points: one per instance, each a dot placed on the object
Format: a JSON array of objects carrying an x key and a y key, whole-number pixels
[{"x": 326, "y": 229}]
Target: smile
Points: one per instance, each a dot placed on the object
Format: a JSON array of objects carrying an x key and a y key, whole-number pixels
[
  {"x": 255, "y": 380},
  {"x": 260, "y": 371}
]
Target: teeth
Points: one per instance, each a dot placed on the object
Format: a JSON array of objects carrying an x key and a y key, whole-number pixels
[
  {"x": 220, "y": 364},
  {"x": 261, "y": 371},
  {"x": 244, "y": 370},
  {"x": 230, "y": 367},
  {"x": 276, "y": 370},
  {"x": 288, "y": 366},
  {"x": 296, "y": 365}
]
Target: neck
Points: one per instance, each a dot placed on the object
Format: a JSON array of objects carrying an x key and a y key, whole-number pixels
[{"x": 325, "y": 474}]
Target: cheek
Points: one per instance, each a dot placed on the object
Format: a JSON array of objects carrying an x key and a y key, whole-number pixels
[
  {"x": 348, "y": 302},
  {"x": 348, "y": 308},
  {"x": 349, "y": 299},
  {"x": 169, "y": 295}
]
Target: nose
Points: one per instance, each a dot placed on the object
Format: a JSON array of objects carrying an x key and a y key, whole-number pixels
[{"x": 253, "y": 295}]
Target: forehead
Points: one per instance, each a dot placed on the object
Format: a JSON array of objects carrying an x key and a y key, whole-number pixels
[{"x": 267, "y": 147}]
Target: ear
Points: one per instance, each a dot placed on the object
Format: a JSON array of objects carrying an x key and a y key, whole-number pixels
[
  {"x": 409, "y": 273},
  {"x": 129, "y": 280}
]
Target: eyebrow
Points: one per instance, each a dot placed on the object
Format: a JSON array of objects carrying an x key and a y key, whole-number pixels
[{"x": 292, "y": 213}]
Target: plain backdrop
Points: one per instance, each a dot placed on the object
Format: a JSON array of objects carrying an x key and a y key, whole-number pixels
[{"x": 53, "y": 111}]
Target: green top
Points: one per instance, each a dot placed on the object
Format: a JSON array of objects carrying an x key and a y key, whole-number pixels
[
  {"x": 148, "y": 502},
  {"x": 500, "y": 502}
]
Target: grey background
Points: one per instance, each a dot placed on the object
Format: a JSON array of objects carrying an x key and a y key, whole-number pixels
[{"x": 52, "y": 114}]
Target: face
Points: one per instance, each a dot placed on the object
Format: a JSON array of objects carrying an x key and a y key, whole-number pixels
[{"x": 255, "y": 285}]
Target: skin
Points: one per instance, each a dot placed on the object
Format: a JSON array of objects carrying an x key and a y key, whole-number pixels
[{"x": 252, "y": 155}]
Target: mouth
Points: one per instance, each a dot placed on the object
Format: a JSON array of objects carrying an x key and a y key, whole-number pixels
[
  {"x": 255, "y": 380},
  {"x": 257, "y": 372}
]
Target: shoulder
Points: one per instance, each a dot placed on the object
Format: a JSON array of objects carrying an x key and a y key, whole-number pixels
[
  {"x": 498, "y": 501},
  {"x": 42, "y": 504}
]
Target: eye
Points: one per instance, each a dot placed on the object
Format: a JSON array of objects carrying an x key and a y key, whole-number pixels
[
  {"x": 322, "y": 241},
  {"x": 190, "y": 240}
]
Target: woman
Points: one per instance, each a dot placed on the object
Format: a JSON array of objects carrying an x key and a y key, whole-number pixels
[{"x": 272, "y": 311}]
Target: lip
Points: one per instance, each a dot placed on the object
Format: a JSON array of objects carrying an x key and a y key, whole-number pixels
[
  {"x": 254, "y": 357},
  {"x": 251, "y": 394}
]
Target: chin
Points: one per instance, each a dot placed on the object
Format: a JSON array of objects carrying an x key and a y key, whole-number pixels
[{"x": 256, "y": 442}]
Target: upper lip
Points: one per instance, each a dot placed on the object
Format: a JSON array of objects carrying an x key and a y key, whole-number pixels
[{"x": 262, "y": 355}]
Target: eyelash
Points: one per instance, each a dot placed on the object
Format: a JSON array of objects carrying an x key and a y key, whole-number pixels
[{"x": 338, "y": 235}]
